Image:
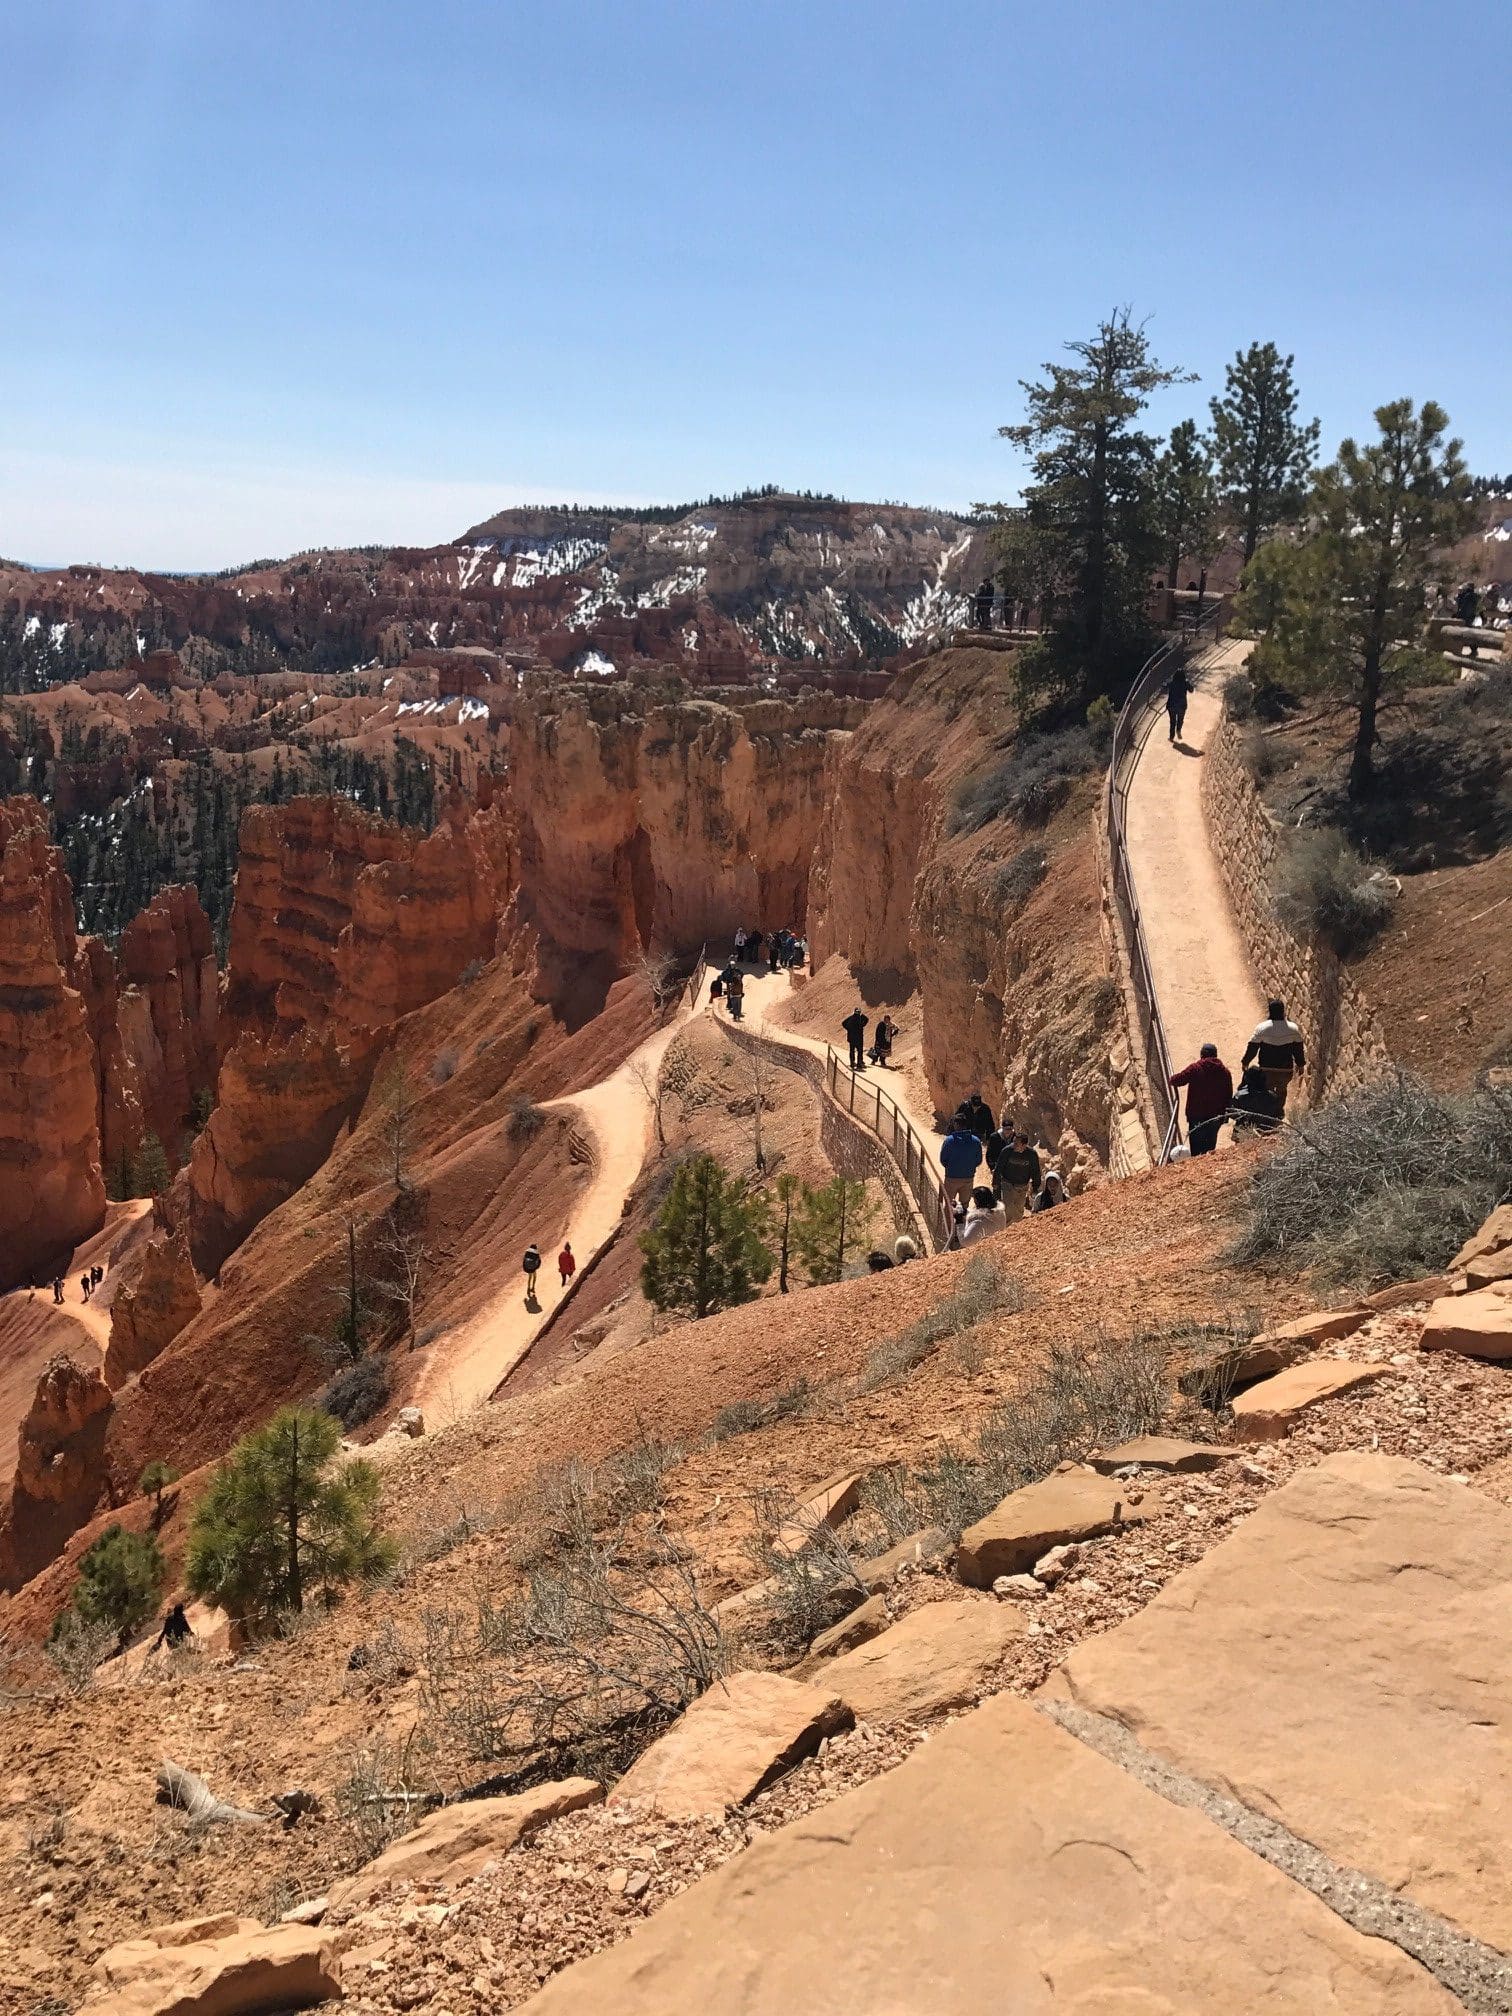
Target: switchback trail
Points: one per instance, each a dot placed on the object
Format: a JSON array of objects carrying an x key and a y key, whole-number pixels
[{"x": 1204, "y": 983}]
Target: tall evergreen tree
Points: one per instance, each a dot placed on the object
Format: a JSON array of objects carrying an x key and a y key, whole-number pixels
[
  {"x": 1186, "y": 497},
  {"x": 120, "y": 1580},
  {"x": 1264, "y": 453},
  {"x": 1345, "y": 609},
  {"x": 705, "y": 1251},
  {"x": 1091, "y": 508}
]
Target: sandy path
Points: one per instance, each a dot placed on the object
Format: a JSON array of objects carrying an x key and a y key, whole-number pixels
[
  {"x": 1203, "y": 980},
  {"x": 615, "y": 1115}
]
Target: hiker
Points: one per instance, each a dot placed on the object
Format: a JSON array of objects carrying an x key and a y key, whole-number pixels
[
  {"x": 882, "y": 1040},
  {"x": 740, "y": 940},
  {"x": 904, "y": 1250},
  {"x": 1255, "y": 1107},
  {"x": 753, "y": 945},
  {"x": 984, "y": 1217},
  {"x": 979, "y": 1117},
  {"x": 1016, "y": 1174},
  {"x": 96, "y": 1275},
  {"x": 532, "y": 1266},
  {"x": 732, "y": 981},
  {"x": 57, "y": 1287},
  {"x": 798, "y": 953},
  {"x": 1276, "y": 1047},
  {"x": 960, "y": 1158},
  {"x": 1053, "y": 1193},
  {"x": 774, "y": 950},
  {"x": 566, "y": 1262},
  {"x": 176, "y": 1630},
  {"x": 879, "y": 1262},
  {"x": 84, "y": 1285},
  {"x": 1209, "y": 1087},
  {"x": 1177, "y": 694},
  {"x": 1467, "y": 604},
  {"x": 854, "y": 1026},
  {"x": 984, "y": 606}
]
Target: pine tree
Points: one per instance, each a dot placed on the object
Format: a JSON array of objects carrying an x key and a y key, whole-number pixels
[
  {"x": 1186, "y": 497},
  {"x": 833, "y": 1226},
  {"x": 155, "y": 1479},
  {"x": 120, "y": 1580},
  {"x": 1264, "y": 454},
  {"x": 150, "y": 1174},
  {"x": 1091, "y": 508},
  {"x": 789, "y": 1194},
  {"x": 281, "y": 1523},
  {"x": 1345, "y": 608},
  {"x": 705, "y": 1250}
]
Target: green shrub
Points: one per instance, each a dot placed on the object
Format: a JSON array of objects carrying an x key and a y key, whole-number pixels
[
  {"x": 1323, "y": 889},
  {"x": 1381, "y": 1185},
  {"x": 120, "y": 1580},
  {"x": 356, "y": 1393},
  {"x": 282, "y": 1522},
  {"x": 704, "y": 1251},
  {"x": 526, "y": 1118},
  {"x": 1034, "y": 781}
]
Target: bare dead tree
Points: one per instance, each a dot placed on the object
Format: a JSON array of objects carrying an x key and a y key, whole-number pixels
[
  {"x": 659, "y": 971},
  {"x": 653, "y": 1085},
  {"x": 396, "y": 1123},
  {"x": 758, "y": 1071},
  {"x": 405, "y": 1258}
]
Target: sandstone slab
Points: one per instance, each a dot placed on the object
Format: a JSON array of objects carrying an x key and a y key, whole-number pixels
[
  {"x": 1163, "y": 1452},
  {"x": 864, "y": 1623},
  {"x": 1493, "y": 1237},
  {"x": 455, "y": 1842},
  {"x": 937, "y": 1657},
  {"x": 1478, "y": 1325},
  {"x": 829, "y": 1504},
  {"x": 1491, "y": 1268},
  {"x": 1318, "y": 1328},
  {"x": 917, "y": 1551},
  {"x": 1342, "y": 1663},
  {"x": 215, "y": 1967},
  {"x": 1402, "y": 1292},
  {"x": 1266, "y": 1412},
  {"x": 1004, "y": 1868},
  {"x": 1070, "y": 1504},
  {"x": 740, "y": 1735}
]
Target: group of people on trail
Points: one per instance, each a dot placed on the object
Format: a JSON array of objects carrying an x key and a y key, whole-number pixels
[
  {"x": 89, "y": 1280},
  {"x": 566, "y": 1268},
  {"x": 778, "y": 950},
  {"x": 884, "y": 1036},
  {"x": 1274, "y": 1055},
  {"x": 1016, "y": 1181}
]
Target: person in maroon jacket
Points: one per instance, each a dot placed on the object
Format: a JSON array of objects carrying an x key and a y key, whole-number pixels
[{"x": 1209, "y": 1088}]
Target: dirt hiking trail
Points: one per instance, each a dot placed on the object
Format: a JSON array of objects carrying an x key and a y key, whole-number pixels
[{"x": 1204, "y": 983}]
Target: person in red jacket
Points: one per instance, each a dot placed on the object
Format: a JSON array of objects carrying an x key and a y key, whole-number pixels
[
  {"x": 566, "y": 1262},
  {"x": 1209, "y": 1088}
]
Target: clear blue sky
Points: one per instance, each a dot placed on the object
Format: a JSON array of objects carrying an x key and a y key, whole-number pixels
[{"x": 278, "y": 275}]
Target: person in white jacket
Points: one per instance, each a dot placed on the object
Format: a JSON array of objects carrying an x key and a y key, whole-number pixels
[
  {"x": 984, "y": 1216},
  {"x": 1276, "y": 1047}
]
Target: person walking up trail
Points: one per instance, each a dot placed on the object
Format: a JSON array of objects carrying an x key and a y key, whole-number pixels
[
  {"x": 1053, "y": 1193},
  {"x": 532, "y": 1265},
  {"x": 566, "y": 1262},
  {"x": 1276, "y": 1048},
  {"x": 960, "y": 1159},
  {"x": 734, "y": 987},
  {"x": 1177, "y": 693},
  {"x": 854, "y": 1026},
  {"x": 1209, "y": 1088},
  {"x": 883, "y": 1038},
  {"x": 984, "y": 1217},
  {"x": 1015, "y": 1175},
  {"x": 979, "y": 1117}
]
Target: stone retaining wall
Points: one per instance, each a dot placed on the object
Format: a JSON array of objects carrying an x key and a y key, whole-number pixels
[
  {"x": 1345, "y": 1043},
  {"x": 852, "y": 1147}
]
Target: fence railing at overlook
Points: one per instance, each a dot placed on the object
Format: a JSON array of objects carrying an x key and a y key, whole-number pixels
[{"x": 874, "y": 1107}]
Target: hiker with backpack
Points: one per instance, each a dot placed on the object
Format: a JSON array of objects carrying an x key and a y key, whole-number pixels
[
  {"x": 532, "y": 1265},
  {"x": 854, "y": 1026}
]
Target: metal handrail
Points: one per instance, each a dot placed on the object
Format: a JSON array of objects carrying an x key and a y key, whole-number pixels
[
  {"x": 1130, "y": 733},
  {"x": 913, "y": 1162}
]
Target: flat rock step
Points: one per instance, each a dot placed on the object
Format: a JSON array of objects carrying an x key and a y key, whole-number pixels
[
  {"x": 1342, "y": 1664},
  {"x": 939, "y": 1656},
  {"x": 1005, "y": 1867},
  {"x": 1477, "y": 1325},
  {"x": 1267, "y": 1411},
  {"x": 744, "y": 1732},
  {"x": 1069, "y": 1504}
]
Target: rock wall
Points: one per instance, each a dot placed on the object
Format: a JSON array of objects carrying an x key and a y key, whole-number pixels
[
  {"x": 60, "y": 1468},
  {"x": 343, "y": 923},
  {"x": 148, "y": 1313},
  {"x": 664, "y": 827},
  {"x": 1345, "y": 1043},
  {"x": 1013, "y": 992},
  {"x": 52, "y": 1191}
]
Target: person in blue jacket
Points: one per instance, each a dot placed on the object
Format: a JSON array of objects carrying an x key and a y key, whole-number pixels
[{"x": 960, "y": 1159}]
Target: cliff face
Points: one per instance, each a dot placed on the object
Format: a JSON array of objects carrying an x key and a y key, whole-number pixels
[
  {"x": 60, "y": 1468},
  {"x": 1012, "y": 986},
  {"x": 664, "y": 828},
  {"x": 150, "y": 1311},
  {"x": 52, "y": 1192},
  {"x": 343, "y": 924}
]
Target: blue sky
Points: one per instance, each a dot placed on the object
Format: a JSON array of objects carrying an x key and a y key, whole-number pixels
[{"x": 280, "y": 275}]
